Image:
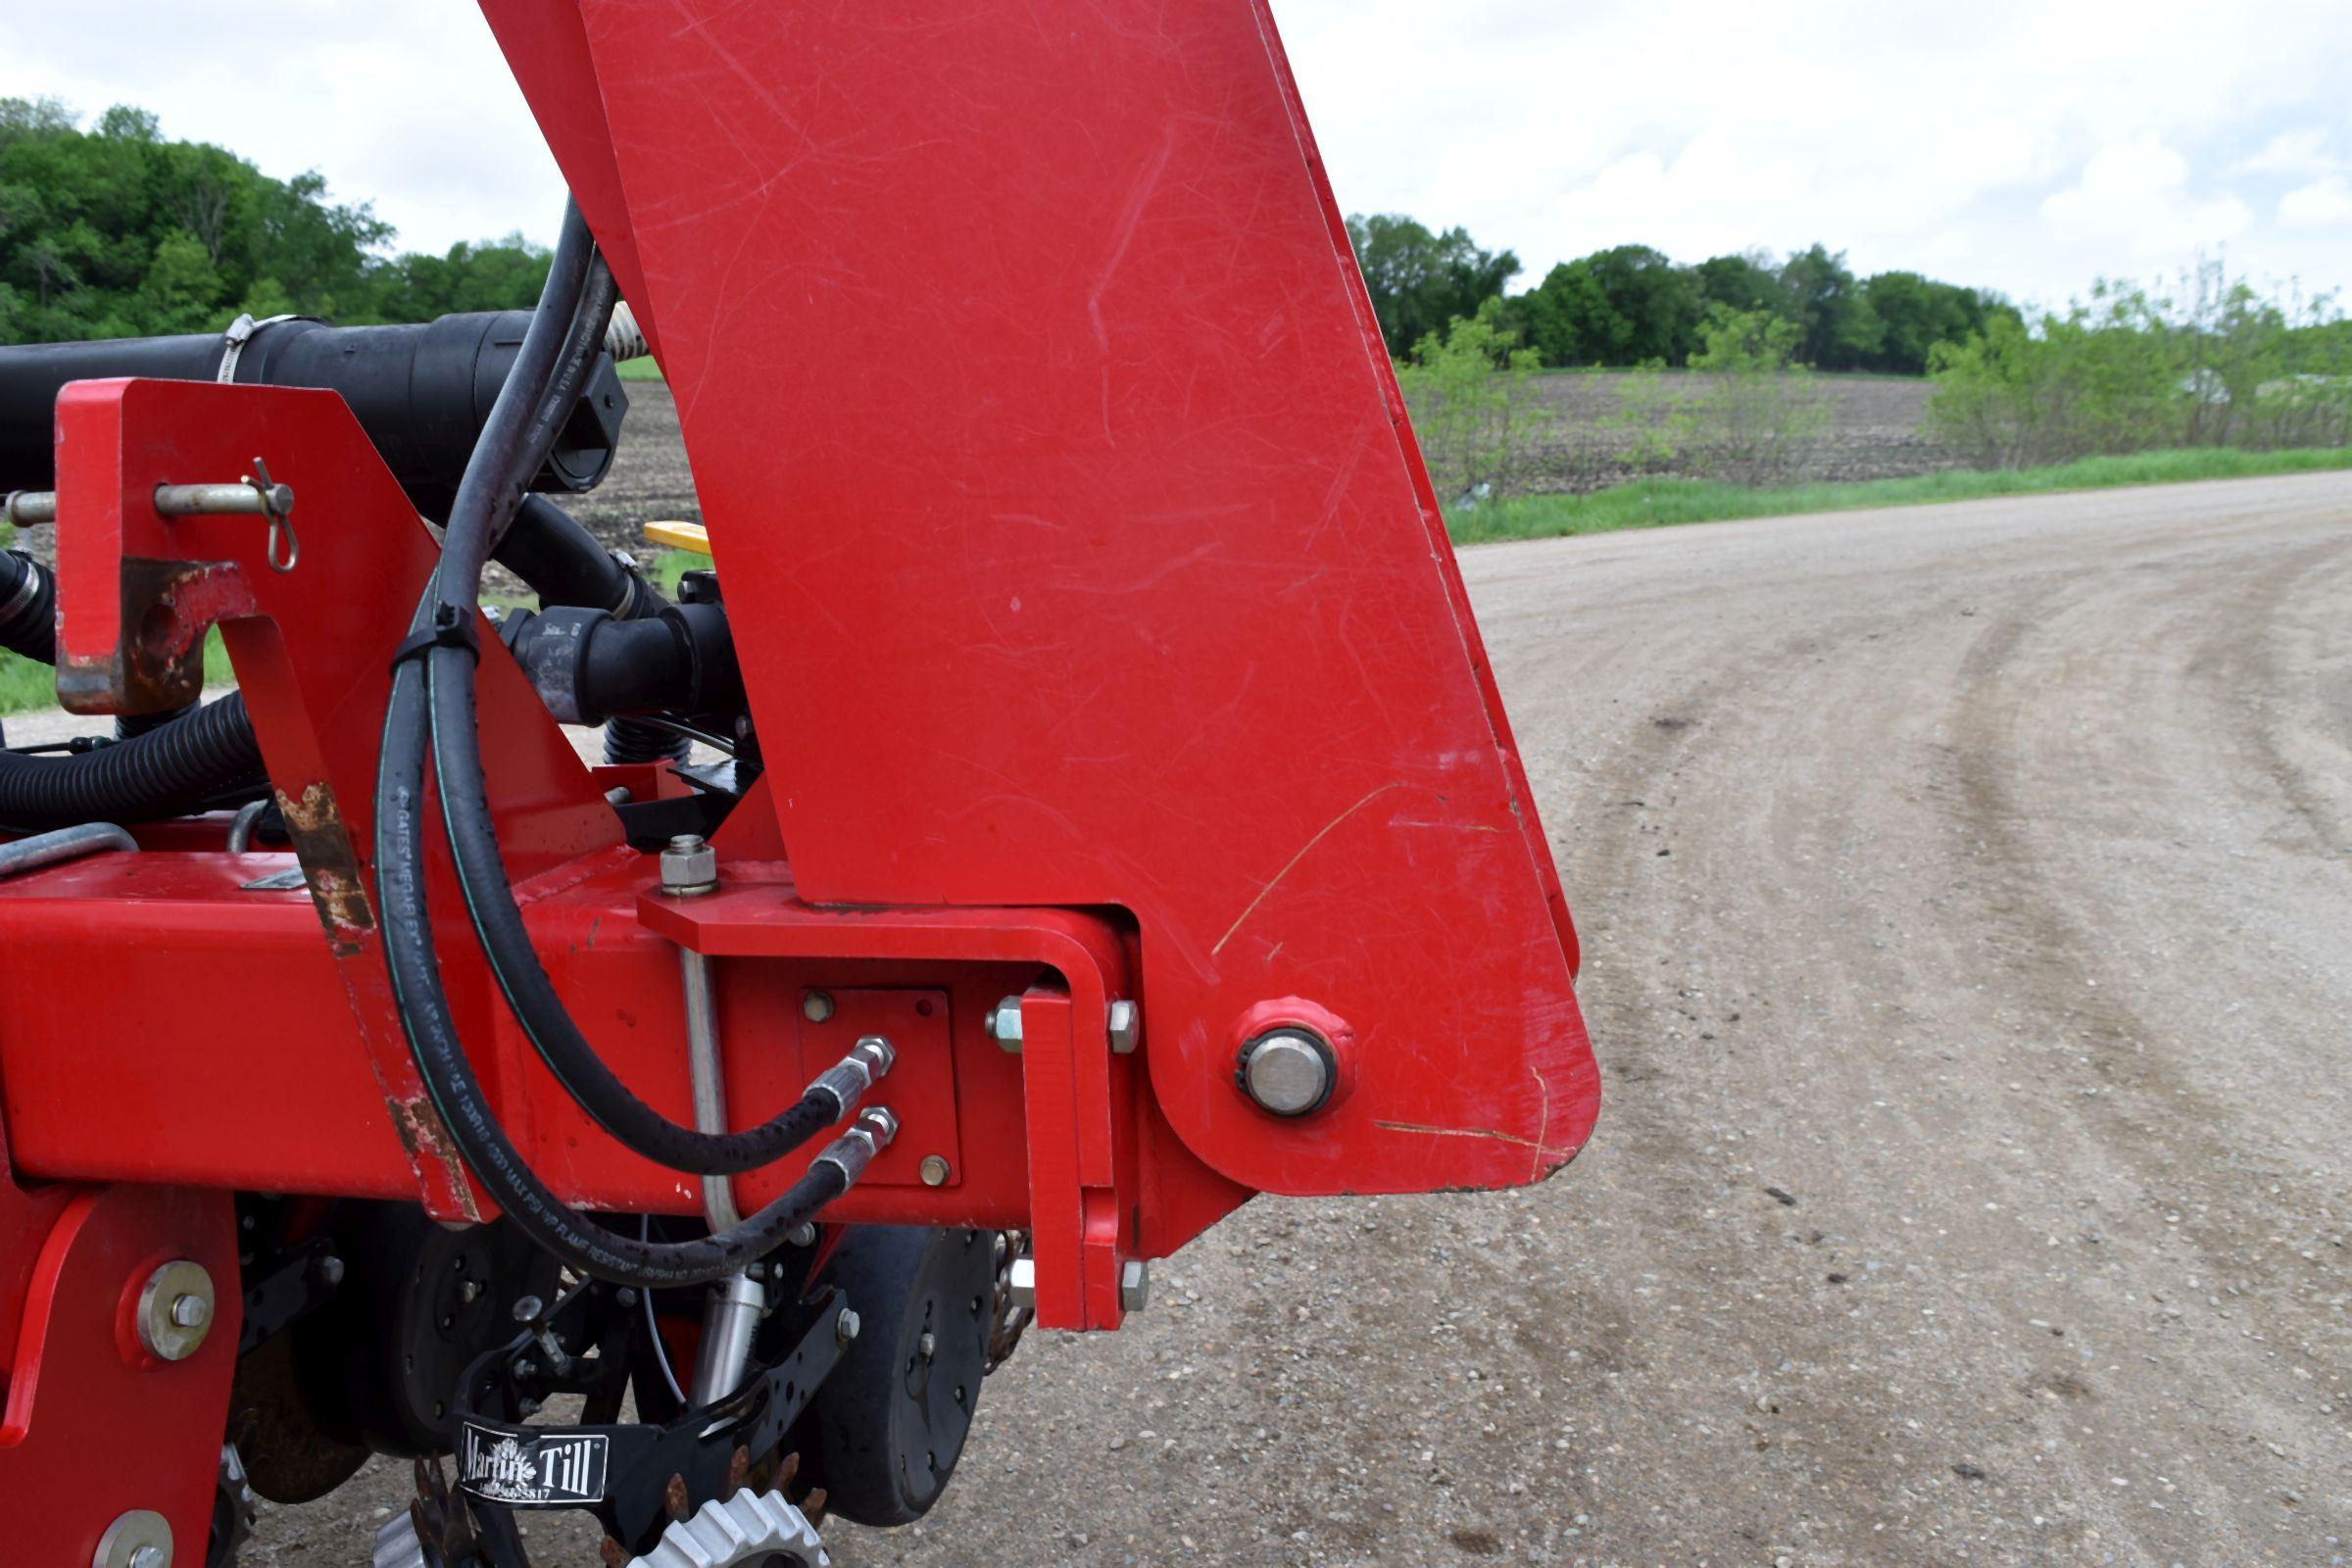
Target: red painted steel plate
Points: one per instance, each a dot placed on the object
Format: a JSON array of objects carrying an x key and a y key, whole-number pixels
[{"x": 1079, "y": 551}]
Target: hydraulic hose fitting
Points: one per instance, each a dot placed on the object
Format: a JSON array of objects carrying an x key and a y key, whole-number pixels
[
  {"x": 849, "y": 1079},
  {"x": 854, "y": 1149}
]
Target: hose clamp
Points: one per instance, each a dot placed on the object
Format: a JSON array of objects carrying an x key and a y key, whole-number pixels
[
  {"x": 241, "y": 331},
  {"x": 28, "y": 586}
]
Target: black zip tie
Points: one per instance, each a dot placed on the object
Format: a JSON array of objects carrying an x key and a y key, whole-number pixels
[{"x": 451, "y": 627}]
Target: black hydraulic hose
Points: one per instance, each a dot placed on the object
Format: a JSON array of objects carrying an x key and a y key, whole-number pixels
[
  {"x": 422, "y": 1005},
  {"x": 425, "y": 1015},
  {"x": 184, "y": 766},
  {"x": 488, "y": 893}
]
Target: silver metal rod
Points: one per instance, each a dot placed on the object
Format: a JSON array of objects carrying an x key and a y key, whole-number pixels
[
  {"x": 217, "y": 500},
  {"x": 65, "y": 844},
  {"x": 729, "y": 1320},
  {"x": 710, "y": 1090},
  {"x": 28, "y": 507}
]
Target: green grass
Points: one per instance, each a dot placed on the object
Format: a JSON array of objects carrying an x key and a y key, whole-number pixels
[
  {"x": 1658, "y": 503},
  {"x": 644, "y": 370},
  {"x": 27, "y": 684}
]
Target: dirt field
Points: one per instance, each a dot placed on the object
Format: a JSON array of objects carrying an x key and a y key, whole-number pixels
[
  {"x": 1968, "y": 900},
  {"x": 1874, "y": 433}
]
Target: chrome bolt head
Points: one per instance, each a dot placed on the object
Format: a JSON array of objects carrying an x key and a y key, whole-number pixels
[
  {"x": 1288, "y": 1071},
  {"x": 689, "y": 865}
]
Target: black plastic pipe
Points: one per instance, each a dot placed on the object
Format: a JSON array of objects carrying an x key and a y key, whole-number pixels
[{"x": 422, "y": 392}]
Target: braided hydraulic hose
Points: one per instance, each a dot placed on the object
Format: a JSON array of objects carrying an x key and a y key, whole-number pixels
[{"x": 435, "y": 706}]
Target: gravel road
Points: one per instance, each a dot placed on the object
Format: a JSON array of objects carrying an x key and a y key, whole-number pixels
[{"x": 1967, "y": 894}]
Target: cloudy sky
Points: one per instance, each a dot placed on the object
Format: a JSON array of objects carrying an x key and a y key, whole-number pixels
[{"x": 2026, "y": 145}]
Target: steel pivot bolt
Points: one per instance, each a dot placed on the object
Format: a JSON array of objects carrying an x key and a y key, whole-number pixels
[
  {"x": 689, "y": 865},
  {"x": 1288, "y": 1071},
  {"x": 176, "y": 1310},
  {"x": 1004, "y": 1024},
  {"x": 139, "y": 1538}
]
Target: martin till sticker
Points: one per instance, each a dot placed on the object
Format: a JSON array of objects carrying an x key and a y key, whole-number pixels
[{"x": 561, "y": 1470}]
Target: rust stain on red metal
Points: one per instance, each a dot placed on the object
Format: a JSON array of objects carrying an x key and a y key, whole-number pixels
[
  {"x": 331, "y": 864},
  {"x": 167, "y": 607}
]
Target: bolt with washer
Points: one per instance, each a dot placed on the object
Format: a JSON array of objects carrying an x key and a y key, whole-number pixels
[
  {"x": 816, "y": 1007},
  {"x": 176, "y": 1310},
  {"x": 935, "y": 1170},
  {"x": 846, "y": 1327}
]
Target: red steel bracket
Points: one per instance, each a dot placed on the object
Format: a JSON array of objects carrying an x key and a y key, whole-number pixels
[{"x": 95, "y": 1426}]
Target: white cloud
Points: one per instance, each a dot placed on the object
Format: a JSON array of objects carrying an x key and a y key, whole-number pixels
[
  {"x": 2302, "y": 151},
  {"x": 2324, "y": 203},
  {"x": 2138, "y": 193}
]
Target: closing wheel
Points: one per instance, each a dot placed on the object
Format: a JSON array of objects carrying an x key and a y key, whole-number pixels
[{"x": 889, "y": 1423}]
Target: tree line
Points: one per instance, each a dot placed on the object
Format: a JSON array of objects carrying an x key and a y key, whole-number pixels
[
  {"x": 114, "y": 231},
  {"x": 1631, "y": 305}
]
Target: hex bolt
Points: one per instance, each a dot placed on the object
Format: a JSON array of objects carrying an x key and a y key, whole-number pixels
[
  {"x": 1126, "y": 1028},
  {"x": 191, "y": 1312},
  {"x": 151, "y": 1557},
  {"x": 1135, "y": 1285},
  {"x": 1004, "y": 1024},
  {"x": 926, "y": 1346},
  {"x": 470, "y": 1292},
  {"x": 1022, "y": 1283},
  {"x": 846, "y": 1327},
  {"x": 689, "y": 867},
  {"x": 802, "y": 1236},
  {"x": 816, "y": 1007},
  {"x": 935, "y": 1170},
  {"x": 330, "y": 1271},
  {"x": 1288, "y": 1071}
]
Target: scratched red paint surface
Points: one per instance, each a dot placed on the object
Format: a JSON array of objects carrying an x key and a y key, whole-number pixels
[{"x": 1032, "y": 403}]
